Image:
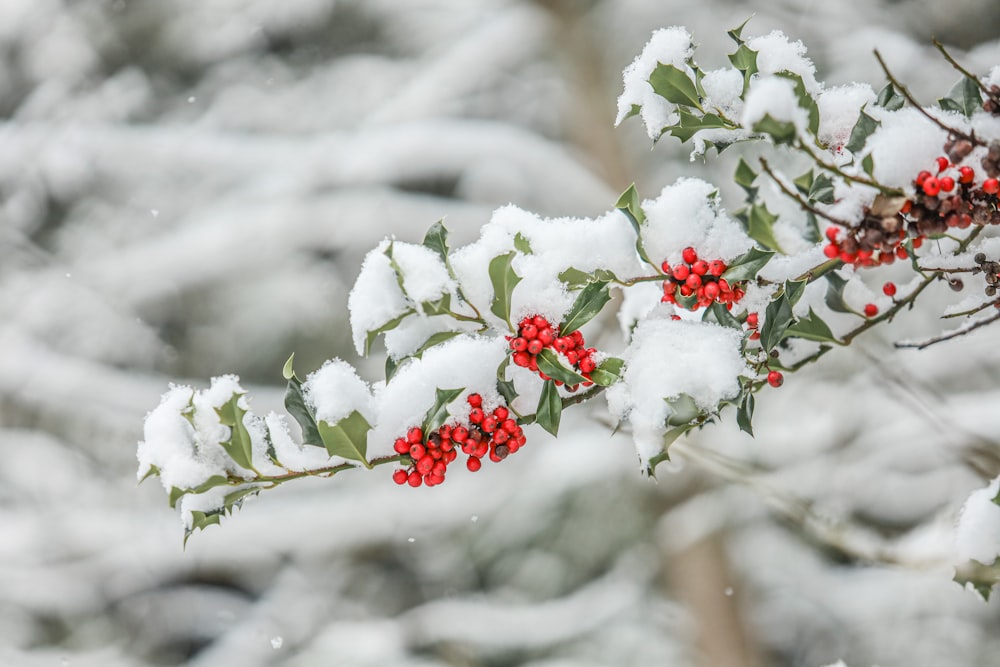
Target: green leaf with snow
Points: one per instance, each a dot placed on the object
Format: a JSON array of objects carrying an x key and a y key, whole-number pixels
[
  {"x": 176, "y": 493},
  {"x": 436, "y": 239},
  {"x": 628, "y": 204},
  {"x": 348, "y": 438},
  {"x": 438, "y": 413},
  {"x": 760, "y": 226},
  {"x": 507, "y": 390},
  {"x": 549, "y": 410},
  {"x": 794, "y": 289},
  {"x": 811, "y": 327},
  {"x": 806, "y": 101},
  {"x": 504, "y": 281},
  {"x": 669, "y": 438},
  {"x": 736, "y": 34},
  {"x": 607, "y": 372},
  {"x": 440, "y": 307},
  {"x": 719, "y": 314},
  {"x": 589, "y": 303},
  {"x": 821, "y": 190},
  {"x": 574, "y": 278},
  {"x": 683, "y": 410},
  {"x": 780, "y": 131},
  {"x": 435, "y": 339},
  {"x": 835, "y": 294},
  {"x": 521, "y": 244},
  {"x": 964, "y": 98},
  {"x": 748, "y": 265},
  {"x": 745, "y": 177},
  {"x": 804, "y": 182},
  {"x": 548, "y": 363},
  {"x": 238, "y": 446},
  {"x": 370, "y": 336},
  {"x": 674, "y": 85},
  {"x": 863, "y": 128},
  {"x": 889, "y": 99},
  {"x": 288, "y": 371},
  {"x": 295, "y": 403},
  {"x": 202, "y": 520}
]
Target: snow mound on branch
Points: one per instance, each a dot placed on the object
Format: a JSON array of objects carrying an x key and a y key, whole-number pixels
[
  {"x": 839, "y": 109},
  {"x": 774, "y": 96},
  {"x": 978, "y": 536},
  {"x": 688, "y": 213},
  {"x": 776, "y": 53},
  {"x": 465, "y": 362},
  {"x": 668, "y": 358},
  {"x": 335, "y": 391},
  {"x": 903, "y": 145},
  {"x": 670, "y": 46}
]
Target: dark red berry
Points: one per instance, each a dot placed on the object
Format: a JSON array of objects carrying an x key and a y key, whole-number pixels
[
  {"x": 473, "y": 464},
  {"x": 775, "y": 379},
  {"x": 947, "y": 184},
  {"x": 871, "y": 310},
  {"x": 475, "y": 400},
  {"x": 966, "y": 175},
  {"x": 991, "y": 186},
  {"x": 942, "y": 164}
]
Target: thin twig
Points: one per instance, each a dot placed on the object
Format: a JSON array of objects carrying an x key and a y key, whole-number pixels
[
  {"x": 951, "y": 334},
  {"x": 916, "y": 105},
  {"x": 798, "y": 198},
  {"x": 954, "y": 63},
  {"x": 860, "y": 180}
]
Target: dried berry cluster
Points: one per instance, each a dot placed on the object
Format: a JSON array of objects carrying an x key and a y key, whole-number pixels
[
  {"x": 696, "y": 283},
  {"x": 991, "y": 271},
  {"x": 535, "y": 334},
  {"x": 992, "y": 102},
  {"x": 495, "y": 434}
]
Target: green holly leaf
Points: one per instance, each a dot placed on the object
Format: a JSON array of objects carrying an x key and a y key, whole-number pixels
[
  {"x": 238, "y": 446},
  {"x": 669, "y": 438},
  {"x": 745, "y": 60},
  {"x": 806, "y": 101},
  {"x": 521, "y": 244},
  {"x": 719, "y": 314},
  {"x": 804, "y": 182},
  {"x": 288, "y": 371},
  {"x": 835, "y": 294},
  {"x": 549, "y": 410},
  {"x": 395, "y": 267},
  {"x": 744, "y": 414},
  {"x": 504, "y": 281},
  {"x": 589, "y": 303},
  {"x": 863, "y": 129},
  {"x": 889, "y": 99},
  {"x": 745, "y": 177},
  {"x": 964, "y": 98},
  {"x": 295, "y": 403},
  {"x": 435, "y": 339},
  {"x": 574, "y": 278},
  {"x": 202, "y": 520},
  {"x": 436, "y": 239},
  {"x": 348, "y": 438},
  {"x": 760, "y": 227},
  {"x": 607, "y": 372},
  {"x": 779, "y": 318},
  {"x": 628, "y": 204},
  {"x": 736, "y": 34},
  {"x": 438, "y": 414},
  {"x": 748, "y": 265},
  {"x": 780, "y": 131},
  {"x": 821, "y": 190},
  {"x": 440, "y": 307},
  {"x": 812, "y": 328},
  {"x": 868, "y": 165},
  {"x": 152, "y": 472},
  {"x": 507, "y": 390},
  {"x": 683, "y": 410},
  {"x": 176, "y": 493},
  {"x": 794, "y": 290},
  {"x": 391, "y": 365},
  {"x": 674, "y": 85},
  {"x": 548, "y": 363}
]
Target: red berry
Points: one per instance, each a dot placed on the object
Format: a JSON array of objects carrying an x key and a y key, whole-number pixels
[
  {"x": 510, "y": 426},
  {"x": 681, "y": 272},
  {"x": 832, "y": 233},
  {"x": 529, "y": 331},
  {"x": 473, "y": 464},
  {"x": 947, "y": 183},
  {"x": 535, "y": 346},
  {"x": 889, "y": 289},
  {"x": 991, "y": 186},
  {"x": 414, "y": 479},
  {"x": 669, "y": 287},
  {"x": 921, "y": 177},
  {"x": 711, "y": 291},
  {"x": 966, "y": 174},
  {"x": 905, "y": 208},
  {"x": 690, "y": 255},
  {"x": 700, "y": 267},
  {"x": 539, "y": 322},
  {"x": 931, "y": 186},
  {"x": 400, "y": 476},
  {"x": 500, "y": 436},
  {"x": 831, "y": 250},
  {"x": 417, "y": 451},
  {"x": 775, "y": 379},
  {"x": 415, "y": 435},
  {"x": 425, "y": 465},
  {"x": 693, "y": 281},
  {"x": 717, "y": 267},
  {"x": 475, "y": 400},
  {"x": 501, "y": 413},
  {"x": 752, "y": 319},
  {"x": 521, "y": 358},
  {"x": 476, "y": 415},
  {"x": 942, "y": 164},
  {"x": 917, "y": 242},
  {"x": 547, "y": 336},
  {"x": 901, "y": 252},
  {"x": 871, "y": 310},
  {"x": 848, "y": 257},
  {"x": 577, "y": 337},
  {"x": 519, "y": 344},
  {"x": 564, "y": 343},
  {"x": 587, "y": 365},
  {"x": 665, "y": 267},
  {"x": 401, "y": 446},
  {"x": 489, "y": 424}
]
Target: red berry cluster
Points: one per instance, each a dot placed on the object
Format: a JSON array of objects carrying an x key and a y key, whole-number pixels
[
  {"x": 951, "y": 199},
  {"x": 753, "y": 323},
  {"x": 696, "y": 283},
  {"x": 495, "y": 434},
  {"x": 535, "y": 334},
  {"x": 878, "y": 240}
]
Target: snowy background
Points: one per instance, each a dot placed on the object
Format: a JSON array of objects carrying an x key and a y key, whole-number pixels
[{"x": 187, "y": 189}]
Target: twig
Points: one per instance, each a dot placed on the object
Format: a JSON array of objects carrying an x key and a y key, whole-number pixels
[
  {"x": 951, "y": 334},
  {"x": 916, "y": 105},
  {"x": 798, "y": 198},
  {"x": 954, "y": 63},
  {"x": 860, "y": 180}
]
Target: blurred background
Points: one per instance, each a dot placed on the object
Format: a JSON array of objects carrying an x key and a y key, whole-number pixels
[{"x": 187, "y": 189}]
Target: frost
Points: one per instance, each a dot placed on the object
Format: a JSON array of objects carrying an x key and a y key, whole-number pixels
[
  {"x": 665, "y": 359},
  {"x": 670, "y": 46},
  {"x": 335, "y": 391},
  {"x": 978, "y": 535},
  {"x": 688, "y": 213},
  {"x": 775, "y": 53}
]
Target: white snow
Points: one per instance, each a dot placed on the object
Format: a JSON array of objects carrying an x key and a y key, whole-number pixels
[
  {"x": 670, "y": 46},
  {"x": 667, "y": 358},
  {"x": 776, "y": 53},
  {"x": 375, "y": 298},
  {"x": 425, "y": 277},
  {"x": 773, "y": 96},
  {"x": 839, "y": 109},
  {"x": 905, "y": 144},
  {"x": 689, "y": 213},
  {"x": 334, "y": 391},
  {"x": 978, "y": 535}
]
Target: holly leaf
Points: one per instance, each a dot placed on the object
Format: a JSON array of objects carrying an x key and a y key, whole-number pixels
[
  {"x": 370, "y": 336},
  {"x": 779, "y": 317},
  {"x": 504, "y": 280},
  {"x": 574, "y": 278},
  {"x": 889, "y": 99},
  {"x": 549, "y": 409},
  {"x": 548, "y": 363},
  {"x": 668, "y": 439},
  {"x": 201, "y": 520},
  {"x": 835, "y": 294},
  {"x": 435, "y": 339},
  {"x": 521, "y": 244},
  {"x": 744, "y": 414},
  {"x": 821, "y": 190},
  {"x": 589, "y": 303},
  {"x": 863, "y": 129},
  {"x": 348, "y": 438},
  {"x": 745, "y": 177},
  {"x": 436, "y": 239},
  {"x": 628, "y": 204},
  {"x": 780, "y": 131},
  {"x": 440, "y": 307},
  {"x": 812, "y": 327},
  {"x": 736, "y": 34},
  {"x": 794, "y": 290},
  {"x": 438, "y": 414},
  {"x": 760, "y": 227},
  {"x": 507, "y": 390},
  {"x": 804, "y": 182},
  {"x": 964, "y": 98},
  {"x": 607, "y": 372},
  {"x": 719, "y": 314},
  {"x": 390, "y": 367},
  {"x": 238, "y": 446},
  {"x": 674, "y": 85},
  {"x": 683, "y": 410},
  {"x": 295, "y": 403},
  {"x": 748, "y": 265},
  {"x": 176, "y": 493},
  {"x": 288, "y": 371}
]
